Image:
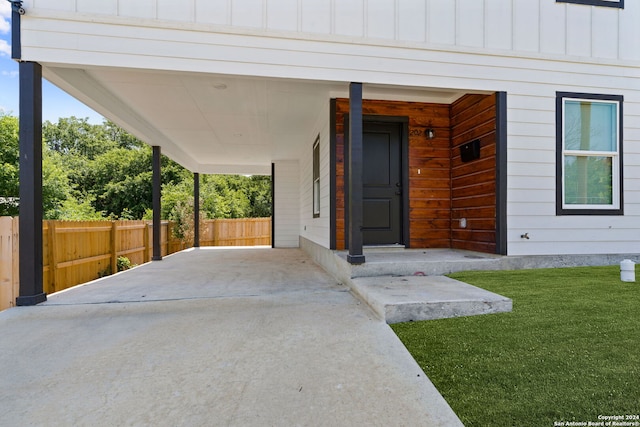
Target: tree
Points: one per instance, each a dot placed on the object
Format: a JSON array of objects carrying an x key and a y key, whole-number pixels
[
  {"x": 77, "y": 137},
  {"x": 55, "y": 184},
  {"x": 95, "y": 171},
  {"x": 9, "y": 157}
]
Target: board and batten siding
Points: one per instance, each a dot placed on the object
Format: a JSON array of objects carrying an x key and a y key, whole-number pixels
[
  {"x": 286, "y": 204},
  {"x": 542, "y": 26}
]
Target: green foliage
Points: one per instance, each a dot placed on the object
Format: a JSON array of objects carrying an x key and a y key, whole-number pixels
[
  {"x": 568, "y": 351},
  {"x": 123, "y": 263},
  {"x": 9, "y": 148},
  {"x": 101, "y": 171},
  {"x": 56, "y": 188},
  {"x": 76, "y": 137},
  {"x": 183, "y": 218},
  {"x": 73, "y": 209}
]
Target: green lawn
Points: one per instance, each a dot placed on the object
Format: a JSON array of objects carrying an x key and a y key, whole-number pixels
[{"x": 569, "y": 351}]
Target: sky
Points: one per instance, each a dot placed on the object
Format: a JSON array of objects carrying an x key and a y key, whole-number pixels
[{"x": 55, "y": 102}]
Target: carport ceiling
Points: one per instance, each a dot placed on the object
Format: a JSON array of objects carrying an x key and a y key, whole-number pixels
[{"x": 214, "y": 123}]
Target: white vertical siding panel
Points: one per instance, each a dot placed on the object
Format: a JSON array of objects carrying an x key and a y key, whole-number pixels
[
  {"x": 381, "y": 22},
  {"x": 109, "y": 7},
  {"x": 213, "y": 12},
  {"x": 498, "y": 24},
  {"x": 411, "y": 20},
  {"x": 441, "y": 23},
  {"x": 579, "y": 30},
  {"x": 176, "y": 11},
  {"x": 66, "y": 5},
  {"x": 145, "y": 9},
  {"x": 282, "y": 15},
  {"x": 247, "y": 13},
  {"x": 286, "y": 204},
  {"x": 349, "y": 18},
  {"x": 316, "y": 16},
  {"x": 526, "y": 25},
  {"x": 470, "y": 23},
  {"x": 553, "y": 27},
  {"x": 604, "y": 34},
  {"x": 629, "y": 33}
]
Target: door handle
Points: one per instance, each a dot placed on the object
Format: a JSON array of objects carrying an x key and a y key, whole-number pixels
[{"x": 399, "y": 190}]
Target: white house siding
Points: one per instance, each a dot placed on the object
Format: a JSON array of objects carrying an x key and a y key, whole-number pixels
[
  {"x": 527, "y": 48},
  {"x": 286, "y": 213},
  {"x": 532, "y": 178},
  {"x": 527, "y": 26},
  {"x": 316, "y": 229}
]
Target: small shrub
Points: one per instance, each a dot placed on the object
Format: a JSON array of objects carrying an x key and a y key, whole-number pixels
[{"x": 124, "y": 263}]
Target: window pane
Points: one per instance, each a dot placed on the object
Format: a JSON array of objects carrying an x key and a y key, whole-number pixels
[
  {"x": 316, "y": 196},
  {"x": 588, "y": 180},
  {"x": 590, "y": 126}
]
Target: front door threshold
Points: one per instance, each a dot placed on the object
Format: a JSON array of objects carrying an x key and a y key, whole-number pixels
[{"x": 384, "y": 247}]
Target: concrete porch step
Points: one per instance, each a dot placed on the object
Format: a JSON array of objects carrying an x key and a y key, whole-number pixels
[
  {"x": 408, "y": 262},
  {"x": 411, "y": 298}
]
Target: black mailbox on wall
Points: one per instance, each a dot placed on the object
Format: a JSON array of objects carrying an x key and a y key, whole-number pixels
[{"x": 470, "y": 150}]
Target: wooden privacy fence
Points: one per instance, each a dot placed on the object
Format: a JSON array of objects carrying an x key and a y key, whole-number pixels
[{"x": 76, "y": 252}]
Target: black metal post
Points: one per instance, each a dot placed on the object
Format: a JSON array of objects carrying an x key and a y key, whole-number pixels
[
  {"x": 501, "y": 173},
  {"x": 355, "y": 255},
  {"x": 157, "y": 191},
  {"x": 273, "y": 205},
  {"x": 16, "y": 43},
  {"x": 196, "y": 210},
  {"x": 31, "y": 289}
]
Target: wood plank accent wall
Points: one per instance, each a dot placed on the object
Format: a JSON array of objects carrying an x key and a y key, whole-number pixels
[
  {"x": 429, "y": 190},
  {"x": 473, "y": 183}
]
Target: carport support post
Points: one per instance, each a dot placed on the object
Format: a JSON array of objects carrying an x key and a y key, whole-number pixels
[
  {"x": 196, "y": 210},
  {"x": 355, "y": 255},
  {"x": 157, "y": 191},
  {"x": 30, "y": 252}
]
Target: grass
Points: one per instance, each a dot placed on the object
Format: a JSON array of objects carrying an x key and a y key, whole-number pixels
[{"x": 569, "y": 351}]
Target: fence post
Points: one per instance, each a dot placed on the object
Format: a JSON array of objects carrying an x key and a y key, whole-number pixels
[
  {"x": 16, "y": 259},
  {"x": 114, "y": 249},
  {"x": 52, "y": 256},
  {"x": 145, "y": 237},
  {"x": 7, "y": 254}
]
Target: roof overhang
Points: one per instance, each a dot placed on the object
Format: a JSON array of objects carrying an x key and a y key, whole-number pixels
[{"x": 215, "y": 123}]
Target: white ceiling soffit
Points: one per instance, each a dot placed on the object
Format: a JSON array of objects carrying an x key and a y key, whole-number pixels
[{"x": 214, "y": 123}]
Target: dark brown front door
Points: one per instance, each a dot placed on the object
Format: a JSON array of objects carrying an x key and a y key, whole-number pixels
[{"x": 382, "y": 184}]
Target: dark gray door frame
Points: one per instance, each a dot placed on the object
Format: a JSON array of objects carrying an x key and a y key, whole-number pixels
[{"x": 404, "y": 167}]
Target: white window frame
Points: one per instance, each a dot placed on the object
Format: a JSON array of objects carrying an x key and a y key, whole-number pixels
[{"x": 616, "y": 206}]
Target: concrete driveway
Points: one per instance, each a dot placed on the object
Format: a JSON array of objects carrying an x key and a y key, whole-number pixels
[{"x": 208, "y": 337}]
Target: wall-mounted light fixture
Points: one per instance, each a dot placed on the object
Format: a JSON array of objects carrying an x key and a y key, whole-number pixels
[{"x": 430, "y": 133}]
